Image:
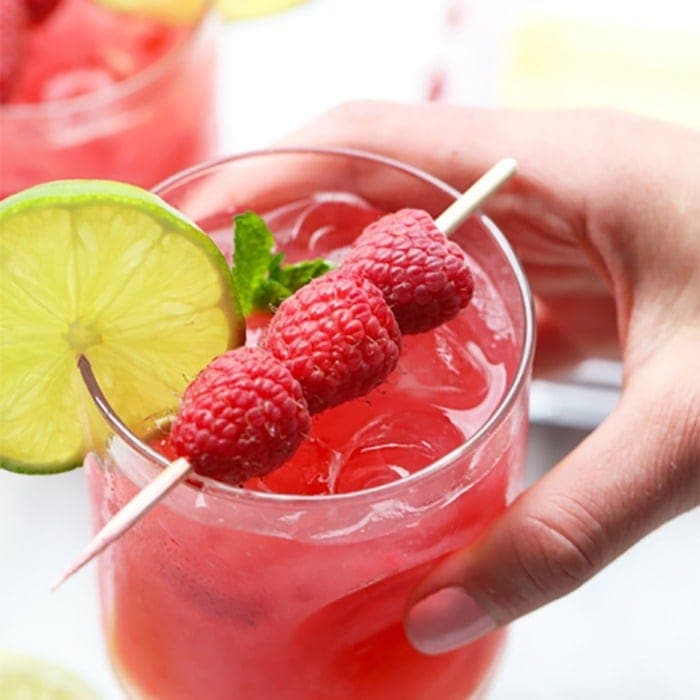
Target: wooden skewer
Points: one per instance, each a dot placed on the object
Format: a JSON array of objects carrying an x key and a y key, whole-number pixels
[
  {"x": 496, "y": 176},
  {"x": 448, "y": 222},
  {"x": 144, "y": 500},
  {"x": 133, "y": 511}
]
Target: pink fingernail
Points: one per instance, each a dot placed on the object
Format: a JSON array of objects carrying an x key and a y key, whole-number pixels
[{"x": 446, "y": 620}]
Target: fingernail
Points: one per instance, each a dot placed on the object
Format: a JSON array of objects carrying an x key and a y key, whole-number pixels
[{"x": 446, "y": 620}]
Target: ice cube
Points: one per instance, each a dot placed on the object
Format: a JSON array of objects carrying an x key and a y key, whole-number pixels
[
  {"x": 322, "y": 225},
  {"x": 75, "y": 82}
]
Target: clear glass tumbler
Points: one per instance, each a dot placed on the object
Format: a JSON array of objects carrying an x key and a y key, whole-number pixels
[
  {"x": 138, "y": 130},
  {"x": 225, "y": 592}
]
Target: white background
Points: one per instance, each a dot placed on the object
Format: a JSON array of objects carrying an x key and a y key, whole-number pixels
[{"x": 632, "y": 633}]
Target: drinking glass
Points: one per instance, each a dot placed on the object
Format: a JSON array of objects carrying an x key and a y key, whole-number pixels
[{"x": 224, "y": 592}]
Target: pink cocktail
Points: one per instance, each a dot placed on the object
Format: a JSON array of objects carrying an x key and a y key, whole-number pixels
[
  {"x": 294, "y": 587},
  {"x": 101, "y": 94}
]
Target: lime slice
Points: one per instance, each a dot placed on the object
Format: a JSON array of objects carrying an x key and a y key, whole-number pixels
[
  {"x": 111, "y": 271},
  {"x": 238, "y": 9},
  {"x": 170, "y": 11},
  {"x": 27, "y": 678}
]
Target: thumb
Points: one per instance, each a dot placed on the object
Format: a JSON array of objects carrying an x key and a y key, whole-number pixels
[{"x": 637, "y": 470}]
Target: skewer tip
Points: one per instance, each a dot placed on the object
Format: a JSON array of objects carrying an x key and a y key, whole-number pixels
[
  {"x": 74, "y": 567},
  {"x": 128, "y": 516},
  {"x": 98, "y": 544}
]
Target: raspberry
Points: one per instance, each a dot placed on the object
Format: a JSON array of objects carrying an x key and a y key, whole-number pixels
[
  {"x": 424, "y": 276},
  {"x": 337, "y": 336},
  {"x": 242, "y": 416},
  {"x": 13, "y": 38}
]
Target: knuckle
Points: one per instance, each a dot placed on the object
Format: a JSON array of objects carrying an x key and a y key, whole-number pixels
[
  {"x": 612, "y": 118},
  {"x": 356, "y": 117},
  {"x": 562, "y": 548},
  {"x": 357, "y": 110}
]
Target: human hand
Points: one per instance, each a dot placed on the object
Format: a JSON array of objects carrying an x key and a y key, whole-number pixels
[{"x": 605, "y": 216}]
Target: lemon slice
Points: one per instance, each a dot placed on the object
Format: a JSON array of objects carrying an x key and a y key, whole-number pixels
[
  {"x": 111, "y": 271},
  {"x": 170, "y": 11},
  {"x": 26, "y": 678}
]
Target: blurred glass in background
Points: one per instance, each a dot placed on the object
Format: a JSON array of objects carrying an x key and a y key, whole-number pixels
[
  {"x": 639, "y": 57},
  {"x": 106, "y": 89}
]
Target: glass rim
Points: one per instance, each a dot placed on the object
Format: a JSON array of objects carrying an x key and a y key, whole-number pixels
[
  {"x": 219, "y": 489},
  {"x": 26, "y": 111}
]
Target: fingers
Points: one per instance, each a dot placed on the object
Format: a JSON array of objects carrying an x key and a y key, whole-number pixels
[
  {"x": 458, "y": 144},
  {"x": 639, "y": 469}
]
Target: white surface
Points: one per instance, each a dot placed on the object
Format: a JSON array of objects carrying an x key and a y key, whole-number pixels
[
  {"x": 632, "y": 633},
  {"x": 44, "y": 522}
]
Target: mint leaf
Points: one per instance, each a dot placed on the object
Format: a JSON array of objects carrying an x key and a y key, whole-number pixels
[
  {"x": 262, "y": 281},
  {"x": 252, "y": 254},
  {"x": 285, "y": 280},
  {"x": 297, "y": 275},
  {"x": 269, "y": 295}
]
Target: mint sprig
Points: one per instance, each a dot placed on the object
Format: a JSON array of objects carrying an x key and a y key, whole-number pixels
[{"x": 262, "y": 280}]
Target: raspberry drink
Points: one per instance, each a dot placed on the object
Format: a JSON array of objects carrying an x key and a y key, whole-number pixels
[
  {"x": 89, "y": 92},
  {"x": 295, "y": 586}
]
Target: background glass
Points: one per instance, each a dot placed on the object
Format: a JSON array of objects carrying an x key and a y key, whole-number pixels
[{"x": 138, "y": 130}]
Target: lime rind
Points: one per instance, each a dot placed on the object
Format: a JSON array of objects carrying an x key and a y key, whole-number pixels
[
  {"x": 25, "y": 677},
  {"x": 169, "y": 11},
  {"x": 112, "y": 271}
]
